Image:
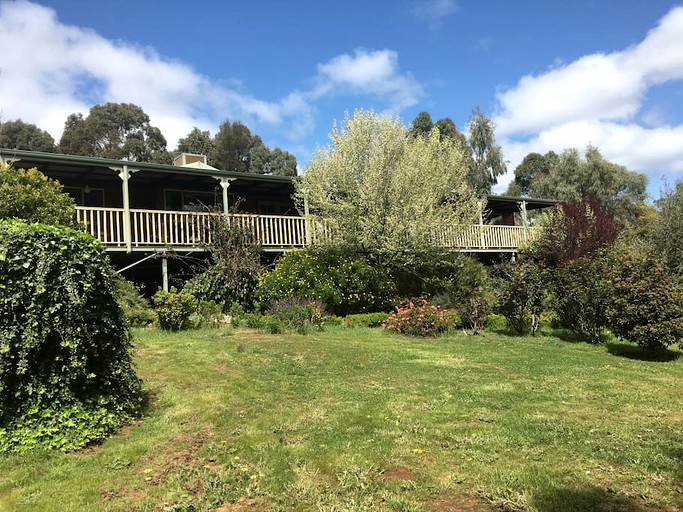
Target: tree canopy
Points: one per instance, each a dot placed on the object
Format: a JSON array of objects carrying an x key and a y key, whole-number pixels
[
  {"x": 571, "y": 177},
  {"x": 32, "y": 196},
  {"x": 666, "y": 231},
  {"x": 483, "y": 157},
  {"x": 381, "y": 189},
  {"x": 198, "y": 142},
  {"x": 487, "y": 157},
  {"x": 120, "y": 131},
  {"x": 20, "y": 135}
]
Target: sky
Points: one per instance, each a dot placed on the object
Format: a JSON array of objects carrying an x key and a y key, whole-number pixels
[{"x": 552, "y": 75}]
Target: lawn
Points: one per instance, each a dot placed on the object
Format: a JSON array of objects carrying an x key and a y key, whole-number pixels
[{"x": 358, "y": 419}]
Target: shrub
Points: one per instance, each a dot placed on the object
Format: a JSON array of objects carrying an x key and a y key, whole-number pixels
[
  {"x": 417, "y": 317},
  {"x": 522, "y": 296},
  {"x": 32, "y": 196},
  {"x": 345, "y": 283},
  {"x": 174, "y": 309},
  {"x": 366, "y": 319},
  {"x": 582, "y": 295},
  {"x": 496, "y": 322},
  {"x": 235, "y": 265},
  {"x": 136, "y": 309},
  {"x": 646, "y": 302},
  {"x": 300, "y": 315},
  {"x": 66, "y": 376}
]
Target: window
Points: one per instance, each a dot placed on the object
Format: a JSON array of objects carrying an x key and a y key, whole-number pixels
[
  {"x": 190, "y": 200},
  {"x": 86, "y": 196}
]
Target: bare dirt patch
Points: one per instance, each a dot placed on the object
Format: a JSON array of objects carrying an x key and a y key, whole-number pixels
[
  {"x": 241, "y": 505},
  {"x": 397, "y": 473},
  {"x": 462, "y": 503}
]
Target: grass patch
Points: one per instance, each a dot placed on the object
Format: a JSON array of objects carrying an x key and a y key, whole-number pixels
[{"x": 359, "y": 419}]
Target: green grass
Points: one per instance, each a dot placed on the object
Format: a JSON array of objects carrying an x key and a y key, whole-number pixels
[{"x": 357, "y": 419}]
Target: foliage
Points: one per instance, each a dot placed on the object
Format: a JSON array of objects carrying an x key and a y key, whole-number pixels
[
  {"x": 646, "y": 301},
  {"x": 32, "y": 196},
  {"x": 345, "y": 283},
  {"x": 581, "y": 294},
  {"x": 209, "y": 314},
  {"x": 121, "y": 131},
  {"x": 63, "y": 341},
  {"x": 573, "y": 230},
  {"x": 366, "y": 319},
  {"x": 666, "y": 231},
  {"x": 522, "y": 296},
  {"x": 174, "y": 310},
  {"x": 197, "y": 142},
  {"x": 235, "y": 264},
  {"x": 20, "y": 135},
  {"x": 136, "y": 309},
  {"x": 571, "y": 177},
  {"x": 417, "y": 317},
  {"x": 487, "y": 157},
  {"x": 299, "y": 315},
  {"x": 379, "y": 189}
]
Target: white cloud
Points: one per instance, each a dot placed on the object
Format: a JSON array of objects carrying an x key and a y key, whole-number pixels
[
  {"x": 597, "y": 100},
  {"x": 50, "y": 70},
  {"x": 433, "y": 12},
  {"x": 374, "y": 73}
]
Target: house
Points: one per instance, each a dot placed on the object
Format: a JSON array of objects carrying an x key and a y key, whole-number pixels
[{"x": 139, "y": 208}]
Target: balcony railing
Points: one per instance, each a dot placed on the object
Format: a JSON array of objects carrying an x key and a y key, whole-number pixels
[{"x": 147, "y": 229}]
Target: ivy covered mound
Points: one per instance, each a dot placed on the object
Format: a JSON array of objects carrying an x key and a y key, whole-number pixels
[{"x": 66, "y": 376}]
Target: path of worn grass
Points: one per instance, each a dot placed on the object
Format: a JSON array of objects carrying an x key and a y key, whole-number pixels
[{"x": 362, "y": 420}]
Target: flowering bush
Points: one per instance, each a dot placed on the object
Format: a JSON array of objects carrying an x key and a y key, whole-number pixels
[
  {"x": 417, "y": 317},
  {"x": 343, "y": 281}
]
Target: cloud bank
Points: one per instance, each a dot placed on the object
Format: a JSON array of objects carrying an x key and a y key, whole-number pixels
[
  {"x": 601, "y": 99},
  {"x": 50, "y": 70}
]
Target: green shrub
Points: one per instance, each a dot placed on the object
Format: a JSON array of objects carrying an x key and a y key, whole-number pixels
[
  {"x": 582, "y": 295},
  {"x": 417, "y": 317},
  {"x": 136, "y": 309},
  {"x": 174, "y": 310},
  {"x": 345, "y": 283},
  {"x": 30, "y": 195},
  {"x": 496, "y": 322},
  {"x": 366, "y": 319},
  {"x": 235, "y": 264},
  {"x": 454, "y": 320},
  {"x": 646, "y": 301},
  {"x": 300, "y": 315},
  {"x": 65, "y": 366},
  {"x": 522, "y": 295}
]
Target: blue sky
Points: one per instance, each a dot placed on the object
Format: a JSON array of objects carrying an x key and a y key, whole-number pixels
[{"x": 551, "y": 74}]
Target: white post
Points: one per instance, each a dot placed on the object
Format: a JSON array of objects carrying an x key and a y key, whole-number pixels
[
  {"x": 525, "y": 221},
  {"x": 225, "y": 183},
  {"x": 307, "y": 223},
  {"x": 124, "y": 174},
  {"x": 164, "y": 274},
  {"x": 482, "y": 241}
]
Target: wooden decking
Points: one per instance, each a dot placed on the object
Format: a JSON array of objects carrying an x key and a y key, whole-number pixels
[{"x": 145, "y": 230}]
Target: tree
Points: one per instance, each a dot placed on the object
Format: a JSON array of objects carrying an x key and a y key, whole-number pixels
[
  {"x": 282, "y": 163},
  {"x": 198, "y": 142},
  {"x": 20, "y": 135},
  {"x": 382, "y": 190},
  {"x": 532, "y": 168},
  {"x": 569, "y": 177},
  {"x": 232, "y": 147},
  {"x": 666, "y": 231},
  {"x": 488, "y": 162},
  {"x": 422, "y": 124},
  {"x": 121, "y": 131},
  {"x": 30, "y": 195}
]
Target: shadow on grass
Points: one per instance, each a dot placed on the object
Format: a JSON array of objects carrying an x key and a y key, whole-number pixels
[
  {"x": 640, "y": 354},
  {"x": 588, "y": 499}
]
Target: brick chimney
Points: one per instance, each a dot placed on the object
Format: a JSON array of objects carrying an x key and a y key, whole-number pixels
[{"x": 185, "y": 159}]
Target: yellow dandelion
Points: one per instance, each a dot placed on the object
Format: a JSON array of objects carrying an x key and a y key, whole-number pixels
[
  {"x": 147, "y": 471},
  {"x": 419, "y": 451},
  {"x": 148, "y": 478},
  {"x": 236, "y": 457},
  {"x": 253, "y": 477},
  {"x": 243, "y": 469}
]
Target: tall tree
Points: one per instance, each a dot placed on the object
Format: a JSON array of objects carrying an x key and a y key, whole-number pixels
[
  {"x": 488, "y": 162},
  {"x": 666, "y": 231},
  {"x": 232, "y": 147},
  {"x": 282, "y": 163},
  {"x": 531, "y": 169},
  {"x": 571, "y": 177},
  {"x": 20, "y": 135},
  {"x": 383, "y": 190},
  {"x": 422, "y": 124},
  {"x": 198, "y": 142},
  {"x": 114, "y": 130}
]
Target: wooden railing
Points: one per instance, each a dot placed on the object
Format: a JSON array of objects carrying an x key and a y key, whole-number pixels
[{"x": 161, "y": 228}]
